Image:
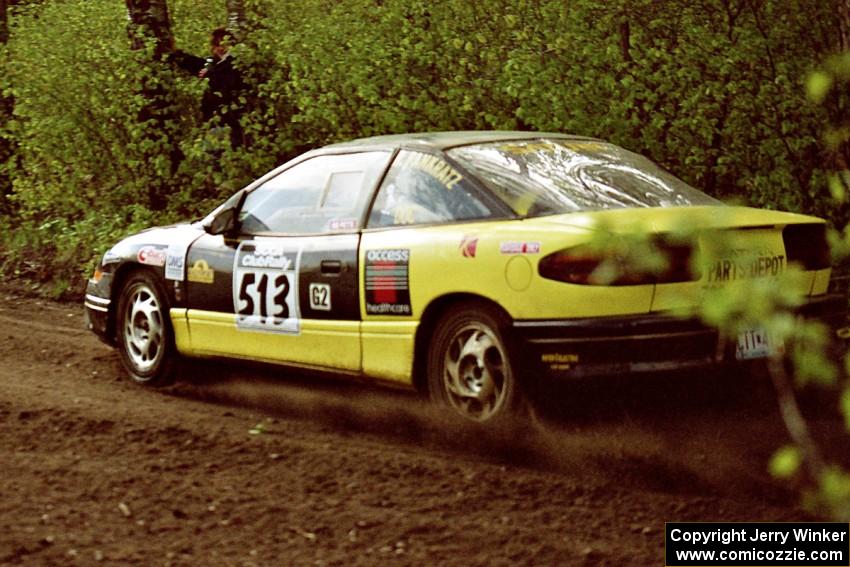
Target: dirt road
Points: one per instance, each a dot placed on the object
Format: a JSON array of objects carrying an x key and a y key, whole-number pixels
[{"x": 253, "y": 467}]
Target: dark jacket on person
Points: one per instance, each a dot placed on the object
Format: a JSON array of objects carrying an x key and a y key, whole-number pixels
[{"x": 224, "y": 87}]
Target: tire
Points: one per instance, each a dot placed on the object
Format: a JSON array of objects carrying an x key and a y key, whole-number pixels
[
  {"x": 469, "y": 367},
  {"x": 145, "y": 335}
]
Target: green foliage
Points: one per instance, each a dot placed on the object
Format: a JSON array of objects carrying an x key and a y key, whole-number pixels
[
  {"x": 711, "y": 89},
  {"x": 785, "y": 462},
  {"x": 831, "y": 495},
  {"x": 73, "y": 248}
]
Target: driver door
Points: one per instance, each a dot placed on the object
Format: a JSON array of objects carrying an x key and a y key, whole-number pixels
[{"x": 285, "y": 289}]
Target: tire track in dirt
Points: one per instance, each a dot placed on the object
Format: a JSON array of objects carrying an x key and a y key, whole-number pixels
[
  {"x": 16, "y": 322},
  {"x": 97, "y": 469}
]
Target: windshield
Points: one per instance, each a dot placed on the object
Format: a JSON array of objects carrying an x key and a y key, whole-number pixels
[{"x": 551, "y": 176}]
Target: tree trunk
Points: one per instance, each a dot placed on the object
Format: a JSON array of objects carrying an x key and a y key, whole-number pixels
[
  {"x": 148, "y": 20},
  {"x": 236, "y": 21},
  {"x": 4, "y": 22},
  {"x": 7, "y": 106},
  {"x": 843, "y": 14}
]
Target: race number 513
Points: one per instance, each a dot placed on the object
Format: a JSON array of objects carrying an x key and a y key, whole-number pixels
[
  {"x": 265, "y": 288},
  {"x": 263, "y": 295}
]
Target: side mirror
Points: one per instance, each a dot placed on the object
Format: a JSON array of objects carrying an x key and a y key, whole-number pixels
[{"x": 226, "y": 221}]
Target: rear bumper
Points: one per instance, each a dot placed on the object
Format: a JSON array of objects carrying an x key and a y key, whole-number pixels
[{"x": 577, "y": 348}]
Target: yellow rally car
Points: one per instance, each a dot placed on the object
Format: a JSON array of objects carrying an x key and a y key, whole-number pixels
[{"x": 456, "y": 263}]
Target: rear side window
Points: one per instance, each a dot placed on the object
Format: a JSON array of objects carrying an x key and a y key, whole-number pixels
[
  {"x": 555, "y": 176},
  {"x": 324, "y": 194},
  {"x": 423, "y": 188}
]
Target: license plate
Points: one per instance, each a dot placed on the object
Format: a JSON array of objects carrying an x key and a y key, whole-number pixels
[{"x": 756, "y": 343}]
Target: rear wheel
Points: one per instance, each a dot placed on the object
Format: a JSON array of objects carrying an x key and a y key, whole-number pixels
[
  {"x": 145, "y": 336},
  {"x": 469, "y": 368}
]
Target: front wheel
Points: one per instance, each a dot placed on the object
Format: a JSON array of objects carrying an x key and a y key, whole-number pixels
[
  {"x": 145, "y": 336},
  {"x": 469, "y": 368}
]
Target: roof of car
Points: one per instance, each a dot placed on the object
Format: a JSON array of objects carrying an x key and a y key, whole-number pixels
[{"x": 445, "y": 140}]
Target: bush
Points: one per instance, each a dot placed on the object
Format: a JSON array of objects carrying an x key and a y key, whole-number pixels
[{"x": 710, "y": 89}]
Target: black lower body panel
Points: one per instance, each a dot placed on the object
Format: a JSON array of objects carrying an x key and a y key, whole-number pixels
[{"x": 576, "y": 348}]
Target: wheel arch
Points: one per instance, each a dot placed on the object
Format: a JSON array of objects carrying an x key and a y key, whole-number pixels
[
  {"x": 428, "y": 323},
  {"x": 122, "y": 274}
]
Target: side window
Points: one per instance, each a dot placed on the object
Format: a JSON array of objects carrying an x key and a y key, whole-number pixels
[
  {"x": 423, "y": 188},
  {"x": 323, "y": 194}
]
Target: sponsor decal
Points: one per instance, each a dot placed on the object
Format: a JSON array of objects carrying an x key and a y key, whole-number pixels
[
  {"x": 151, "y": 256},
  {"x": 200, "y": 272},
  {"x": 175, "y": 254},
  {"x": 521, "y": 148},
  {"x": 558, "y": 357},
  {"x": 586, "y": 146},
  {"x": 387, "y": 282},
  {"x": 342, "y": 224},
  {"x": 388, "y": 256},
  {"x": 320, "y": 296},
  {"x": 265, "y": 287},
  {"x": 468, "y": 246},
  {"x": 559, "y": 361},
  {"x": 519, "y": 248},
  {"x": 404, "y": 215},
  {"x": 748, "y": 267},
  {"x": 175, "y": 261},
  {"x": 434, "y": 166}
]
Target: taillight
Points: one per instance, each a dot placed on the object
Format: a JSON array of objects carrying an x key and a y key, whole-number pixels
[
  {"x": 807, "y": 245},
  {"x": 584, "y": 265},
  {"x": 572, "y": 266},
  {"x": 680, "y": 262}
]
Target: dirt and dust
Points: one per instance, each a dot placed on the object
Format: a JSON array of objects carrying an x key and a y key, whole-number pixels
[{"x": 236, "y": 466}]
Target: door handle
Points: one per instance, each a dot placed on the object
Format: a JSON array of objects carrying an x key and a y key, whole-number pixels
[{"x": 331, "y": 267}]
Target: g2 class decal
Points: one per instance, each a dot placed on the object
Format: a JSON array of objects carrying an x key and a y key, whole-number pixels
[
  {"x": 320, "y": 296},
  {"x": 265, "y": 287},
  {"x": 387, "y": 282}
]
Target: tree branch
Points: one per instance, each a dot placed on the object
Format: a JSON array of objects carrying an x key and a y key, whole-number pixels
[{"x": 793, "y": 418}]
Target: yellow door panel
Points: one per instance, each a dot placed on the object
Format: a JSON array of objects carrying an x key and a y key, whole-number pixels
[
  {"x": 180, "y": 325},
  {"x": 320, "y": 343},
  {"x": 388, "y": 350}
]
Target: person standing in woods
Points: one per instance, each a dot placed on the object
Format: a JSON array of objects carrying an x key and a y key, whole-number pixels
[{"x": 221, "y": 99}]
